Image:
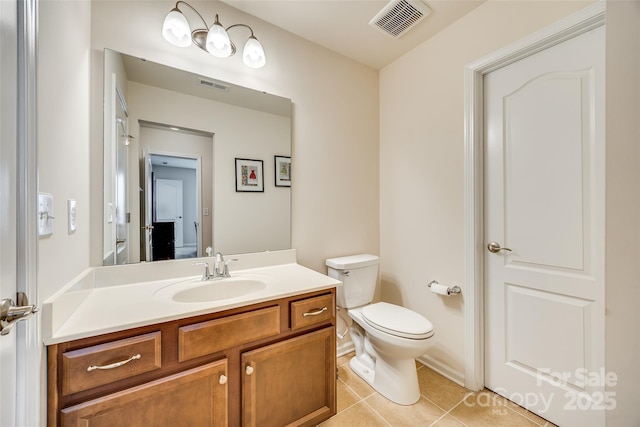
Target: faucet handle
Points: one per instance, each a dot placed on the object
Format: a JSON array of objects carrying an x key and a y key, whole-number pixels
[
  {"x": 217, "y": 272},
  {"x": 206, "y": 275},
  {"x": 225, "y": 272},
  {"x": 209, "y": 251}
]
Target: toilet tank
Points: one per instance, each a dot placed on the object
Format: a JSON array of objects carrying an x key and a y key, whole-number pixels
[{"x": 358, "y": 274}]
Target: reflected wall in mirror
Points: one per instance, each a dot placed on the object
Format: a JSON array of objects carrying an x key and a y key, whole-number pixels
[{"x": 170, "y": 143}]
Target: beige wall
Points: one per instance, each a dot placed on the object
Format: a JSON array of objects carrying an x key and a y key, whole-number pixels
[
  {"x": 63, "y": 137},
  {"x": 421, "y": 175},
  {"x": 622, "y": 268},
  {"x": 335, "y": 133},
  {"x": 422, "y": 160}
]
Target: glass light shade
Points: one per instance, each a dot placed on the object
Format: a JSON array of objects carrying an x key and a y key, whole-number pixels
[
  {"x": 218, "y": 43},
  {"x": 176, "y": 29},
  {"x": 253, "y": 54}
]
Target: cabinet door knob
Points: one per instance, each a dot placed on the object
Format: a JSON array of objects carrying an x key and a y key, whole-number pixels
[
  {"x": 249, "y": 370},
  {"x": 222, "y": 379}
]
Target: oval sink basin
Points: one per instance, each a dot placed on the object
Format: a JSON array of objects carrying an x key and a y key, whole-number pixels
[
  {"x": 195, "y": 290},
  {"x": 219, "y": 290}
]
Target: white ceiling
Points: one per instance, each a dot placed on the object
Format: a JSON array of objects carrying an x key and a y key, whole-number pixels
[{"x": 343, "y": 25}]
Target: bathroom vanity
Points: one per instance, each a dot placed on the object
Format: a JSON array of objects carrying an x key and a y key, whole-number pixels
[{"x": 267, "y": 358}]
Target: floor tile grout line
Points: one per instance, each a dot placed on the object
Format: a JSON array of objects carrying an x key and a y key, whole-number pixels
[
  {"x": 449, "y": 412},
  {"x": 444, "y": 415},
  {"x": 376, "y": 412},
  {"x": 360, "y": 398},
  {"x": 438, "y": 406}
]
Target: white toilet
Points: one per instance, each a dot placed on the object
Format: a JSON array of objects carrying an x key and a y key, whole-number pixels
[{"x": 387, "y": 337}]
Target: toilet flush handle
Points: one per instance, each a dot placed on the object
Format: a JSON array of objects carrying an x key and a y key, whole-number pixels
[{"x": 346, "y": 273}]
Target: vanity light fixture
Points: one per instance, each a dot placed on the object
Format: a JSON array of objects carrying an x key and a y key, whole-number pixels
[{"x": 215, "y": 39}]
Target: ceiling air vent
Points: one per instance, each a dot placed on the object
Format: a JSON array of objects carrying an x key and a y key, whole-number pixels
[
  {"x": 213, "y": 84},
  {"x": 399, "y": 16}
]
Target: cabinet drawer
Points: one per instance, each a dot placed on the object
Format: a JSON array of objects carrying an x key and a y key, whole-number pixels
[
  {"x": 312, "y": 311},
  {"x": 197, "y": 397},
  {"x": 90, "y": 367},
  {"x": 212, "y": 336}
]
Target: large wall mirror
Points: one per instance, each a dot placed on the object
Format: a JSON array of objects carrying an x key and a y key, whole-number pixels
[{"x": 191, "y": 162}]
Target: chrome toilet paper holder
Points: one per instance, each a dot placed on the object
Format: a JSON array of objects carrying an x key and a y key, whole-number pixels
[{"x": 450, "y": 290}]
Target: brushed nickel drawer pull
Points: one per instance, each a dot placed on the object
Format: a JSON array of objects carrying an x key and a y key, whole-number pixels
[
  {"x": 114, "y": 365},
  {"x": 315, "y": 313}
]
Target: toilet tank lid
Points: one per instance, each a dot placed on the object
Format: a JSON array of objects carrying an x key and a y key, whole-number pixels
[{"x": 352, "y": 261}]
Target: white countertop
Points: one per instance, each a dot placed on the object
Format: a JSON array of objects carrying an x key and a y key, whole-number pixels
[{"x": 99, "y": 310}]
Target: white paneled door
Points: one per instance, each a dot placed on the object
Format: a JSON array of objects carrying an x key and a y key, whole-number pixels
[
  {"x": 544, "y": 232},
  {"x": 8, "y": 238},
  {"x": 170, "y": 205}
]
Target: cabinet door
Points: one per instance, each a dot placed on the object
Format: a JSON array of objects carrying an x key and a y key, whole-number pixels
[
  {"x": 197, "y": 397},
  {"x": 290, "y": 383}
]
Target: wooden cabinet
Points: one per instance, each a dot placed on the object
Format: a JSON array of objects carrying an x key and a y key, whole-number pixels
[
  {"x": 268, "y": 364},
  {"x": 196, "y": 340},
  {"x": 311, "y": 311},
  {"x": 290, "y": 383},
  {"x": 197, "y": 397},
  {"x": 97, "y": 365}
]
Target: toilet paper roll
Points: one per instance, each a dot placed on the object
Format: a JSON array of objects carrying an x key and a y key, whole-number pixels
[{"x": 439, "y": 289}]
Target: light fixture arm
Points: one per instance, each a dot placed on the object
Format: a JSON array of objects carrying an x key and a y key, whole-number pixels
[
  {"x": 233, "y": 46},
  {"x": 240, "y": 25},
  {"x": 206, "y": 27}
]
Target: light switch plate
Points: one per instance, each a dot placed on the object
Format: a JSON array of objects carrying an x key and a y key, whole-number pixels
[
  {"x": 45, "y": 214},
  {"x": 71, "y": 212}
]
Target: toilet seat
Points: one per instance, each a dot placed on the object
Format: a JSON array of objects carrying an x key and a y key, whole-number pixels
[{"x": 396, "y": 320}]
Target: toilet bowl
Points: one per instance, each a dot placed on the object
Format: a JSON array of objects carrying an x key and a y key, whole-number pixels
[
  {"x": 387, "y": 337},
  {"x": 387, "y": 359}
]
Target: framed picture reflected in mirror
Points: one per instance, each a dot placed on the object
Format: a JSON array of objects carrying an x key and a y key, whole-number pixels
[
  {"x": 249, "y": 175},
  {"x": 282, "y": 171}
]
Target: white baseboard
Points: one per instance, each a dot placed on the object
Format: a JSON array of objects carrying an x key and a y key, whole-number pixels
[
  {"x": 344, "y": 348},
  {"x": 444, "y": 370}
]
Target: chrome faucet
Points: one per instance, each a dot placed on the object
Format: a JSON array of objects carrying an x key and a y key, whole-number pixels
[
  {"x": 216, "y": 264},
  {"x": 220, "y": 266}
]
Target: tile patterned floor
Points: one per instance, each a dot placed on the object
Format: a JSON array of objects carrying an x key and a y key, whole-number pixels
[{"x": 442, "y": 403}]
